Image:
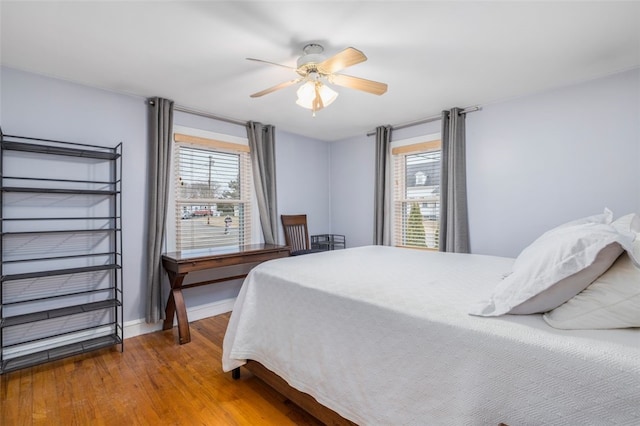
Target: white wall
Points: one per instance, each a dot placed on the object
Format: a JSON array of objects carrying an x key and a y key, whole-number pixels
[
  {"x": 542, "y": 160},
  {"x": 532, "y": 163},
  {"x": 303, "y": 180},
  {"x": 38, "y": 106},
  {"x": 352, "y": 180}
]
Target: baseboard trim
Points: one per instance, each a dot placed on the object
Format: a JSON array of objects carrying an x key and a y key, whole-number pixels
[{"x": 138, "y": 327}]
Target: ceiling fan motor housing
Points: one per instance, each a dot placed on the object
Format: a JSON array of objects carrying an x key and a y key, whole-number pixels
[{"x": 311, "y": 58}]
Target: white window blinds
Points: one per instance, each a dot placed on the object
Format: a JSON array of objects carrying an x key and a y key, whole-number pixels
[
  {"x": 213, "y": 192},
  {"x": 416, "y": 195}
]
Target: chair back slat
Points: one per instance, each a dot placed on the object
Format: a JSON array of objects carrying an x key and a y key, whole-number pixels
[{"x": 296, "y": 234}]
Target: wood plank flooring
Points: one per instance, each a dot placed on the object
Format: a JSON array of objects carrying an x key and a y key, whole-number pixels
[{"x": 154, "y": 381}]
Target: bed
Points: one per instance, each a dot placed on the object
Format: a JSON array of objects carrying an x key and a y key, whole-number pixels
[{"x": 383, "y": 336}]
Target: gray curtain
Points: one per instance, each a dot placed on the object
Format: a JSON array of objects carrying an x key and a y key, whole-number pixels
[
  {"x": 160, "y": 128},
  {"x": 262, "y": 143},
  {"x": 382, "y": 197},
  {"x": 454, "y": 223}
]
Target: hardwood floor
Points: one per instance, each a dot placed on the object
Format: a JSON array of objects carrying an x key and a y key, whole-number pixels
[{"x": 154, "y": 381}]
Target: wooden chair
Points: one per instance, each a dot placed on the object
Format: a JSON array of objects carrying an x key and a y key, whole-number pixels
[{"x": 296, "y": 234}]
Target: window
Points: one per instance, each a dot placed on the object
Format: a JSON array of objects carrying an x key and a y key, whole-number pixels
[
  {"x": 416, "y": 194},
  {"x": 213, "y": 193}
]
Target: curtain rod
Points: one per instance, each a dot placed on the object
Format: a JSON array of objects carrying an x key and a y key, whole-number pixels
[
  {"x": 426, "y": 120},
  {"x": 205, "y": 114}
]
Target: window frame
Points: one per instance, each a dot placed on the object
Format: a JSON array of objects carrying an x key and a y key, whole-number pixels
[
  {"x": 206, "y": 139},
  {"x": 420, "y": 144}
]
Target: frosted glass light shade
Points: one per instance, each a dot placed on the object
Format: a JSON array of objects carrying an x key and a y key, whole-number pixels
[{"x": 307, "y": 94}]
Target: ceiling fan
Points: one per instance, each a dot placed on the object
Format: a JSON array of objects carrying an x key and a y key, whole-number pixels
[{"x": 315, "y": 70}]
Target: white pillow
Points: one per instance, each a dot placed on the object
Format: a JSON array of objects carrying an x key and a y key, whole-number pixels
[
  {"x": 554, "y": 268},
  {"x": 630, "y": 224},
  {"x": 568, "y": 287},
  {"x": 612, "y": 301}
]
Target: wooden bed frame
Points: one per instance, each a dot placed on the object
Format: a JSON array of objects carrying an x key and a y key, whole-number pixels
[{"x": 301, "y": 399}]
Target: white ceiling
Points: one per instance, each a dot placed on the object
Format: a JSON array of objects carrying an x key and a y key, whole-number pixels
[{"x": 433, "y": 55}]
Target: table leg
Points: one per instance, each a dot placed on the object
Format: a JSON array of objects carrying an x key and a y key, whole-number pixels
[
  {"x": 176, "y": 306},
  {"x": 169, "y": 312},
  {"x": 184, "y": 335}
]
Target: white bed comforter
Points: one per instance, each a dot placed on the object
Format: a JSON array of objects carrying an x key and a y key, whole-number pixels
[{"x": 382, "y": 336}]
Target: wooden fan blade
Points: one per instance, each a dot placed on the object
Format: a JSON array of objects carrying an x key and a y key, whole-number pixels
[
  {"x": 276, "y": 87},
  {"x": 271, "y": 63},
  {"x": 341, "y": 60},
  {"x": 357, "y": 83}
]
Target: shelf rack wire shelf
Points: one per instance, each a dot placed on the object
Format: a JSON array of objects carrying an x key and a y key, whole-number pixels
[{"x": 75, "y": 307}]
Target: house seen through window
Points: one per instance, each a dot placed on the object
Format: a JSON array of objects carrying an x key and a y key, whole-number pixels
[
  {"x": 213, "y": 190},
  {"x": 416, "y": 194}
]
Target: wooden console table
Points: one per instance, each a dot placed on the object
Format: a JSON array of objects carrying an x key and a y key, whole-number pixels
[{"x": 179, "y": 264}]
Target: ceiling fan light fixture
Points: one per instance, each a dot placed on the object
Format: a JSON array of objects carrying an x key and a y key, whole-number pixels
[
  {"x": 308, "y": 93},
  {"x": 314, "y": 69}
]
